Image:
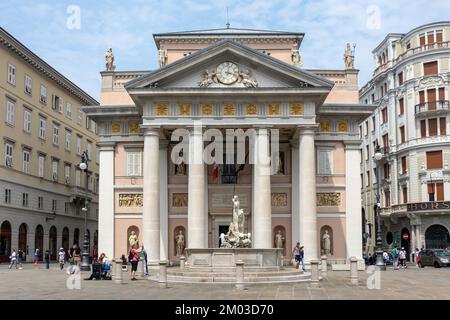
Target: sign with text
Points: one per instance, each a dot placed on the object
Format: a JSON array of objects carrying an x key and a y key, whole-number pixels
[{"x": 427, "y": 206}]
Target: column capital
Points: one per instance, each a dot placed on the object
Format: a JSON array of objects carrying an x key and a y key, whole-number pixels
[
  {"x": 152, "y": 131},
  {"x": 106, "y": 145},
  {"x": 352, "y": 145},
  {"x": 309, "y": 129}
]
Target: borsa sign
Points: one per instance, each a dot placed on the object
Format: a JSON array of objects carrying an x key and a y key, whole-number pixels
[{"x": 425, "y": 206}]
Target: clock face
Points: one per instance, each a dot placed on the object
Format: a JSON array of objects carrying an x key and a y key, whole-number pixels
[{"x": 227, "y": 72}]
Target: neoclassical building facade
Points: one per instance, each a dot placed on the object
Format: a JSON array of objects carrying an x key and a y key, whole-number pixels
[
  {"x": 214, "y": 81},
  {"x": 410, "y": 88}
]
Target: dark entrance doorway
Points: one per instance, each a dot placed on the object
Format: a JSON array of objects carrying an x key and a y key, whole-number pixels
[
  {"x": 52, "y": 242},
  {"x": 222, "y": 229},
  {"x": 65, "y": 238},
  {"x": 437, "y": 237},
  {"x": 39, "y": 240},
  {"x": 405, "y": 241},
  {"x": 5, "y": 241},
  {"x": 23, "y": 237}
]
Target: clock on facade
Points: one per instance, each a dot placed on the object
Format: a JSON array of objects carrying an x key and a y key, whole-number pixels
[{"x": 227, "y": 72}]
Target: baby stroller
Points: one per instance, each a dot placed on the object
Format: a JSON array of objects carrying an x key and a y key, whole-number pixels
[{"x": 96, "y": 272}]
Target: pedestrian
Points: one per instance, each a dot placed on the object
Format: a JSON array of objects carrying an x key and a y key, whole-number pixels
[
  {"x": 417, "y": 256},
  {"x": 296, "y": 255},
  {"x": 75, "y": 253},
  {"x": 13, "y": 258},
  {"x": 61, "y": 258},
  {"x": 133, "y": 258},
  {"x": 370, "y": 259},
  {"x": 47, "y": 259},
  {"x": 302, "y": 258},
  {"x": 385, "y": 257},
  {"x": 402, "y": 256},
  {"x": 36, "y": 257},
  {"x": 144, "y": 260},
  {"x": 394, "y": 253},
  {"x": 20, "y": 258}
]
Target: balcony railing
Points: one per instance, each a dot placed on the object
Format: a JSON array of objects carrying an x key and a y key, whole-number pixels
[
  {"x": 440, "y": 105},
  {"x": 426, "y": 47}
]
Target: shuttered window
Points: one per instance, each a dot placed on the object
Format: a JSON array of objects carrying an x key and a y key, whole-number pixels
[
  {"x": 441, "y": 94},
  {"x": 134, "y": 163},
  {"x": 422, "y": 39},
  {"x": 434, "y": 160},
  {"x": 400, "y": 78},
  {"x": 401, "y": 104},
  {"x": 402, "y": 134},
  {"x": 421, "y": 97},
  {"x": 430, "y": 37},
  {"x": 423, "y": 128},
  {"x": 405, "y": 194},
  {"x": 437, "y": 190},
  {"x": 404, "y": 168},
  {"x": 431, "y": 99},
  {"x": 386, "y": 141},
  {"x": 438, "y": 36},
  {"x": 432, "y": 127},
  {"x": 443, "y": 126},
  {"x": 430, "y": 68}
]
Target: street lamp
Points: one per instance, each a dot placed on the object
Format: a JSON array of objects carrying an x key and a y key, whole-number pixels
[
  {"x": 85, "y": 265},
  {"x": 379, "y": 242}
]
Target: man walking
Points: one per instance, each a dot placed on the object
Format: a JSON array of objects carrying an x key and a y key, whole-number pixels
[
  {"x": 144, "y": 260},
  {"x": 61, "y": 258},
  {"x": 20, "y": 258},
  {"x": 402, "y": 255},
  {"x": 394, "y": 253},
  {"x": 13, "y": 258},
  {"x": 302, "y": 258}
]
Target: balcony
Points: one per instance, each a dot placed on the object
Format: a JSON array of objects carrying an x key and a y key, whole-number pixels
[
  {"x": 424, "y": 48},
  {"x": 78, "y": 194},
  {"x": 432, "y": 108}
]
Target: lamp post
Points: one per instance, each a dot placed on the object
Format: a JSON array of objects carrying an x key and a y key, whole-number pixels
[
  {"x": 379, "y": 242},
  {"x": 85, "y": 265}
]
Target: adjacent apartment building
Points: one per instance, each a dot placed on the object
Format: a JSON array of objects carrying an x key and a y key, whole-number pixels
[
  {"x": 43, "y": 133},
  {"x": 410, "y": 87}
]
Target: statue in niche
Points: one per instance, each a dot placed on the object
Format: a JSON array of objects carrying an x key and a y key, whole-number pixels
[
  {"x": 179, "y": 240},
  {"x": 109, "y": 57},
  {"x": 133, "y": 240},
  {"x": 280, "y": 169},
  {"x": 279, "y": 240},
  {"x": 326, "y": 243}
]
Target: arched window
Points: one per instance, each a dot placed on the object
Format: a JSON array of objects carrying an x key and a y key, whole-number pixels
[
  {"x": 437, "y": 237},
  {"x": 76, "y": 237}
]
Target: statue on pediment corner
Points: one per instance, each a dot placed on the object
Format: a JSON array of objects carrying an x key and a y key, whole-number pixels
[
  {"x": 109, "y": 59},
  {"x": 208, "y": 79},
  {"x": 246, "y": 80},
  {"x": 349, "y": 57},
  {"x": 296, "y": 58},
  {"x": 162, "y": 57}
]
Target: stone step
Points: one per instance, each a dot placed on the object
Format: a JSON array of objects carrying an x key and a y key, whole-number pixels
[{"x": 233, "y": 274}]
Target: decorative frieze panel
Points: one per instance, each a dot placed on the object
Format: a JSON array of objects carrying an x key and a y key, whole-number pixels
[
  {"x": 133, "y": 127},
  {"x": 296, "y": 109},
  {"x": 207, "y": 109},
  {"x": 343, "y": 126},
  {"x": 279, "y": 200},
  {"x": 328, "y": 199},
  {"x": 251, "y": 109},
  {"x": 179, "y": 200},
  {"x": 184, "y": 109},
  {"x": 161, "y": 109},
  {"x": 129, "y": 200},
  {"x": 229, "y": 109},
  {"x": 273, "y": 109},
  {"x": 115, "y": 127},
  {"x": 325, "y": 126}
]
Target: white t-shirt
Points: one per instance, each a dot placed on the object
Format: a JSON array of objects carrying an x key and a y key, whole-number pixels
[
  {"x": 402, "y": 254},
  {"x": 62, "y": 255},
  {"x": 13, "y": 256}
]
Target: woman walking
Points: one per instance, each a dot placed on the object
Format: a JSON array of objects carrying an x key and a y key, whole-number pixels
[
  {"x": 134, "y": 259},
  {"x": 36, "y": 257},
  {"x": 47, "y": 259}
]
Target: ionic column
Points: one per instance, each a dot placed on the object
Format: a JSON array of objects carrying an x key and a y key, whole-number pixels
[
  {"x": 295, "y": 194},
  {"x": 151, "y": 191},
  {"x": 105, "y": 200},
  {"x": 308, "y": 213},
  {"x": 197, "y": 216},
  {"x": 353, "y": 221},
  {"x": 262, "y": 207},
  {"x": 164, "y": 209}
]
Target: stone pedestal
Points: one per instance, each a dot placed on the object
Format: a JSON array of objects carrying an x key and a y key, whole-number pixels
[
  {"x": 323, "y": 266},
  {"x": 354, "y": 271},
  {"x": 162, "y": 280},
  {"x": 182, "y": 262},
  {"x": 240, "y": 275},
  {"x": 117, "y": 276},
  {"x": 315, "y": 271}
]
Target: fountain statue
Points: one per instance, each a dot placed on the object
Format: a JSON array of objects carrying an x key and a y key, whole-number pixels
[{"x": 235, "y": 237}]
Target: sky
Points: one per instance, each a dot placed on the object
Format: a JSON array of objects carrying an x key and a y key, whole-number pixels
[{"x": 73, "y": 36}]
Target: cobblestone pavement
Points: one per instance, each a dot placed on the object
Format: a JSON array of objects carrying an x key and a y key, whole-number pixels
[{"x": 410, "y": 283}]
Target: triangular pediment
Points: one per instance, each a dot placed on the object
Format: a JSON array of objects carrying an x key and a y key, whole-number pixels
[{"x": 228, "y": 65}]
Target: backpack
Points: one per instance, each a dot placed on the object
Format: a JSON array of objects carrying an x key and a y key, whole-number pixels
[{"x": 130, "y": 257}]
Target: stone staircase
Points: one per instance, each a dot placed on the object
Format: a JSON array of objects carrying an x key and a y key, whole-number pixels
[{"x": 251, "y": 276}]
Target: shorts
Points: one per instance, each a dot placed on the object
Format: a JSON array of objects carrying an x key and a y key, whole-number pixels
[{"x": 134, "y": 265}]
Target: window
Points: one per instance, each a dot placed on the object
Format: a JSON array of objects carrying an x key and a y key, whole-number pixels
[
  {"x": 66, "y": 207},
  {"x": 12, "y": 74},
  {"x": 67, "y": 173},
  {"x": 431, "y": 99},
  {"x": 404, "y": 165},
  {"x": 384, "y": 115},
  {"x": 28, "y": 85},
  {"x": 387, "y": 198},
  {"x": 79, "y": 116},
  {"x": 423, "y": 128},
  {"x": 439, "y": 37},
  {"x": 401, "y": 105},
  {"x": 402, "y": 134},
  {"x": 77, "y": 177},
  {"x": 55, "y": 170},
  {"x": 26, "y": 161},
  {"x": 443, "y": 126},
  {"x": 27, "y": 120},
  {"x": 400, "y": 78},
  {"x": 324, "y": 162},
  {"x": 69, "y": 110},
  {"x": 373, "y": 123},
  {"x": 43, "y": 95},
  {"x": 368, "y": 178},
  {"x": 441, "y": 94},
  {"x": 42, "y": 124},
  {"x": 56, "y": 134},
  {"x": 79, "y": 145},
  {"x": 68, "y": 140},
  {"x": 367, "y": 152},
  {"x": 436, "y": 191},
  {"x": 373, "y": 97},
  {"x": 408, "y": 45},
  {"x": 386, "y": 141},
  {"x": 386, "y": 171},
  {"x": 9, "y": 148},
  {"x": 41, "y": 163},
  {"x": 430, "y": 68},
  {"x": 432, "y": 127},
  {"x": 430, "y": 37},
  {"x": 405, "y": 194},
  {"x": 434, "y": 160},
  {"x": 7, "y": 195},
  {"x": 57, "y": 103},
  {"x": 40, "y": 202},
  {"x": 367, "y": 128},
  {"x": 54, "y": 205},
  {"x": 89, "y": 150},
  {"x": 422, "y": 39},
  {"x": 10, "y": 106},
  {"x": 134, "y": 163},
  {"x": 25, "y": 199}
]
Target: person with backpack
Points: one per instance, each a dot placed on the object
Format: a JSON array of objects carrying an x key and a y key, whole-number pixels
[
  {"x": 61, "y": 258},
  {"x": 13, "y": 258},
  {"x": 394, "y": 253},
  {"x": 402, "y": 256},
  {"x": 47, "y": 259},
  {"x": 296, "y": 255}
]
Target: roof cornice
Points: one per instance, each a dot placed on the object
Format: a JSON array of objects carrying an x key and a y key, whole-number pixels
[{"x": 21, "y": 51}]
